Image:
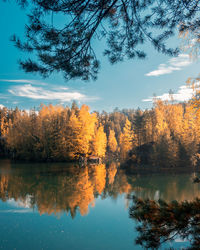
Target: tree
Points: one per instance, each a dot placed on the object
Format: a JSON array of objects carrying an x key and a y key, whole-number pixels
[
  {"x": 99, "y": 142},
  {"x": 125, "y": 25},
  {"x": 126, "y": 139},
  {"x": 138, "y": 124},
  {"x": 112, "y": 142},
  {"x": 87, "y": 130}
]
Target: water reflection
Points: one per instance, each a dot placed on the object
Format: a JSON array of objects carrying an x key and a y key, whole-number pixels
[
  {"x": 161, "y": 222},
  {"x": 170, "y": 187},
  {"x": 59, "y": 188}
]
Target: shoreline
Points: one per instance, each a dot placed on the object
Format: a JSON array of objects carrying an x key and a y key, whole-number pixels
[{"x": 128, "y": 168}]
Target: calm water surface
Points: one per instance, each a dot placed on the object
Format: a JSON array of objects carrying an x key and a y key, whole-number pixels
[{"x": 63, "y": 206}]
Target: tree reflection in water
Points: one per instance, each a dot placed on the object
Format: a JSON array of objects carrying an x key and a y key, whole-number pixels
[
  {"x": 160, "y": 222},
  {"x": 61, "y": 188},
  {"x": 64, "y": 188}
]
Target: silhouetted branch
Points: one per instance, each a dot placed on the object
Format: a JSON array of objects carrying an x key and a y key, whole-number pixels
[{"x": 129, "y": 24}]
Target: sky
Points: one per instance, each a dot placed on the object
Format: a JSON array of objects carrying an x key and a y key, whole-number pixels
[{"x": 127, "y": 85}]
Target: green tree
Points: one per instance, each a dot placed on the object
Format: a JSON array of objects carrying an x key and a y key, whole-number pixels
[{"x": 126, "y": 25}]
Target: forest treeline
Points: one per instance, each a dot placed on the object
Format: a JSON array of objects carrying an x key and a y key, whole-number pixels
[{"x": 167, "y": 135}]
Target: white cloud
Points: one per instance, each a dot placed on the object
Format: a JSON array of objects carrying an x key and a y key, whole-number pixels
[
  {"x": 181, "y": 240},
  {"x": 1, "y": 106},
  {"x": 189, "y": 44},
  {"x": 63, "y": 88},
  {"x": 185, "y": 93},
  {"x": 23, "y": 81},
  {"x": 25, "y": 203},
  {"x": 41, "y": 93},
  {"x": 17, "y": 211},
  {"x": 174, "y": 64}
]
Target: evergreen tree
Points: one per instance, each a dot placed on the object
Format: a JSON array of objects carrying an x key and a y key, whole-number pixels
[{"x": 125, "y": 25}]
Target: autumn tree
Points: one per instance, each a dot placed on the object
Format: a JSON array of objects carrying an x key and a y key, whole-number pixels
[
  {"x": 88, "y": 123},
  {"x": 19, "y": 138},
  {"x": 138, "y": 121},
  {"x": 168, "y": 135},
  {"x": 112, "y": 142},
  {"x": 126, "y": 139},
  {"x": 4, "y": 124},
  {"x": 99, "y": 142}
]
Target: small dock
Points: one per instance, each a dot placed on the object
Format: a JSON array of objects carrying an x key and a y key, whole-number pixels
[{"x": 90, "y": 159}]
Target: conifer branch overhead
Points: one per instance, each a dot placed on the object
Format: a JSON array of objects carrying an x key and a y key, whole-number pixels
[{"x": 125, "y": 25}]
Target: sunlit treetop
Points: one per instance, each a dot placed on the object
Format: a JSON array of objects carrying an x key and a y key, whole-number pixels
[{"x": 124, "y": 24}]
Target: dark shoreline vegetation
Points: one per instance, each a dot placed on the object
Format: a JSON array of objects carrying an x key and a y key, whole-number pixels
[{"x": 167, "y": 136}]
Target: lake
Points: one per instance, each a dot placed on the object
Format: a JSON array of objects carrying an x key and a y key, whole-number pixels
[{"x": 65, "y": 206}]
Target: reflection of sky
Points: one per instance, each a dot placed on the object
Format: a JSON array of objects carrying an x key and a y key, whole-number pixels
[
  {"x": 20, "y": 203},
  {"x": 17, "y": 206},
  {"x": 12, "y": 206},
  {"x": 107, "y": 226},
  {"x": 125, "y": 85}
]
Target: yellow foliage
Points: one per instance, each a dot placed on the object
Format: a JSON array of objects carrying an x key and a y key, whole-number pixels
[
  {"x": 112, "y": 142},
  {"x": 126, "y": 139},
  {"x": 99, "y": 142},
  {"x": 112, "y": 170}
]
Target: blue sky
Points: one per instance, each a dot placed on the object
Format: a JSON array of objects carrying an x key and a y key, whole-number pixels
[{"x": 129, "y": 84}]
